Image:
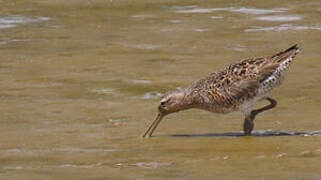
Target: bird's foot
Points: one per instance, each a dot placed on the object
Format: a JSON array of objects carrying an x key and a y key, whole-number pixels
[{"x": 248, "y": 127}]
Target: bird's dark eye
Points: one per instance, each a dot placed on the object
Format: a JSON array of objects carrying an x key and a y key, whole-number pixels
[{"x": 163, "y": 103}]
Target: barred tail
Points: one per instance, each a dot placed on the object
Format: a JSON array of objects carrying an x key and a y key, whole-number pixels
[{"x": 290, "y": 53}]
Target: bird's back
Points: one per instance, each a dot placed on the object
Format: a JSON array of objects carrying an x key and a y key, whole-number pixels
[{"x": 224, "y": 91}]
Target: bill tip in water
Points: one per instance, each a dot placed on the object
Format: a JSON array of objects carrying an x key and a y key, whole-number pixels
[
  {"x": 146, "y": 136},
  {"x": 153, "y": 126}
]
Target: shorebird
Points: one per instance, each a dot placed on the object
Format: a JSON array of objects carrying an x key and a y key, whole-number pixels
[{"x": 238, "y": 87}]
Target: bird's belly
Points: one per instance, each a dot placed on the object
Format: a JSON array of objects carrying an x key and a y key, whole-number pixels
[
  {"x": 221, "y": 108},
  {"x": 247, "y": 106}
]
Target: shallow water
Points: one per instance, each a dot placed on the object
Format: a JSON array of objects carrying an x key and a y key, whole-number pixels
[{"x": 80, "y": 81}]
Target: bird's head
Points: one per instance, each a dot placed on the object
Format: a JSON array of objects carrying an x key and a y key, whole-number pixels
[{"x": 171, "y": 102}]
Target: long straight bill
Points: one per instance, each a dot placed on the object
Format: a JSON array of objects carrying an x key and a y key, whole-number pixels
[{"x": 153, "y": 126}]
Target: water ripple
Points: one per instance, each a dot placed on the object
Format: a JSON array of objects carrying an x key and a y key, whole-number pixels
[
  {"x": 200, "y": 30},
  {"x": 152, "y": 95},
  {"x": 202, "y": 10},
  {"x": 141, "y": 81},
  {"x": 63, "y": 150},
  {"x": 259, "y": 133},
  {"x": 258, "y": 11},
  {"x": 282, "y": 27},
  {"x": 280, "y": 18},
  {"x": 103, "y": 90},
  {"x": 244, "y": 10},
  {"x": 216, "y": 17},
  {"x": 97, "y": 165},
  {"x": 142, "y": 16},
  {"x": 152, "y": 165},
  {"x": 175, "y": 21},
  {"x": 13, "y": 21}
]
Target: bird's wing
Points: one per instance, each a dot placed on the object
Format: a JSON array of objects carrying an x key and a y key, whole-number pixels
[{"x": 238, "y": 81}]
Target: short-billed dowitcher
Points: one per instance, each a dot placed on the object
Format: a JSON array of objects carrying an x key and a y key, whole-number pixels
[{"x": 237, "y": 87}]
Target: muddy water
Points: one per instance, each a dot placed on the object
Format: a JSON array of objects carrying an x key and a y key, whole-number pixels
[{"x": 80, "y": 81}]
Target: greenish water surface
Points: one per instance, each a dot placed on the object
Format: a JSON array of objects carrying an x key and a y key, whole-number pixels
[{"x": 80, "y": 81}]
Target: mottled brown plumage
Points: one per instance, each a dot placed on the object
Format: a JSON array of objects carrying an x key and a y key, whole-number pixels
[{"x": 237, "y": 87}]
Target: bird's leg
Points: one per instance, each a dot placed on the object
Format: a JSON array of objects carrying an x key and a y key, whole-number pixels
[
  {"x": 248, "y": 125},
  {"x": 248, "y": 122},
  {"x": 265, "y": 108}
]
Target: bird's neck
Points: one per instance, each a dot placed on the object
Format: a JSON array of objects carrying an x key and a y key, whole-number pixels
[{"x": 189, "y": 100}]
